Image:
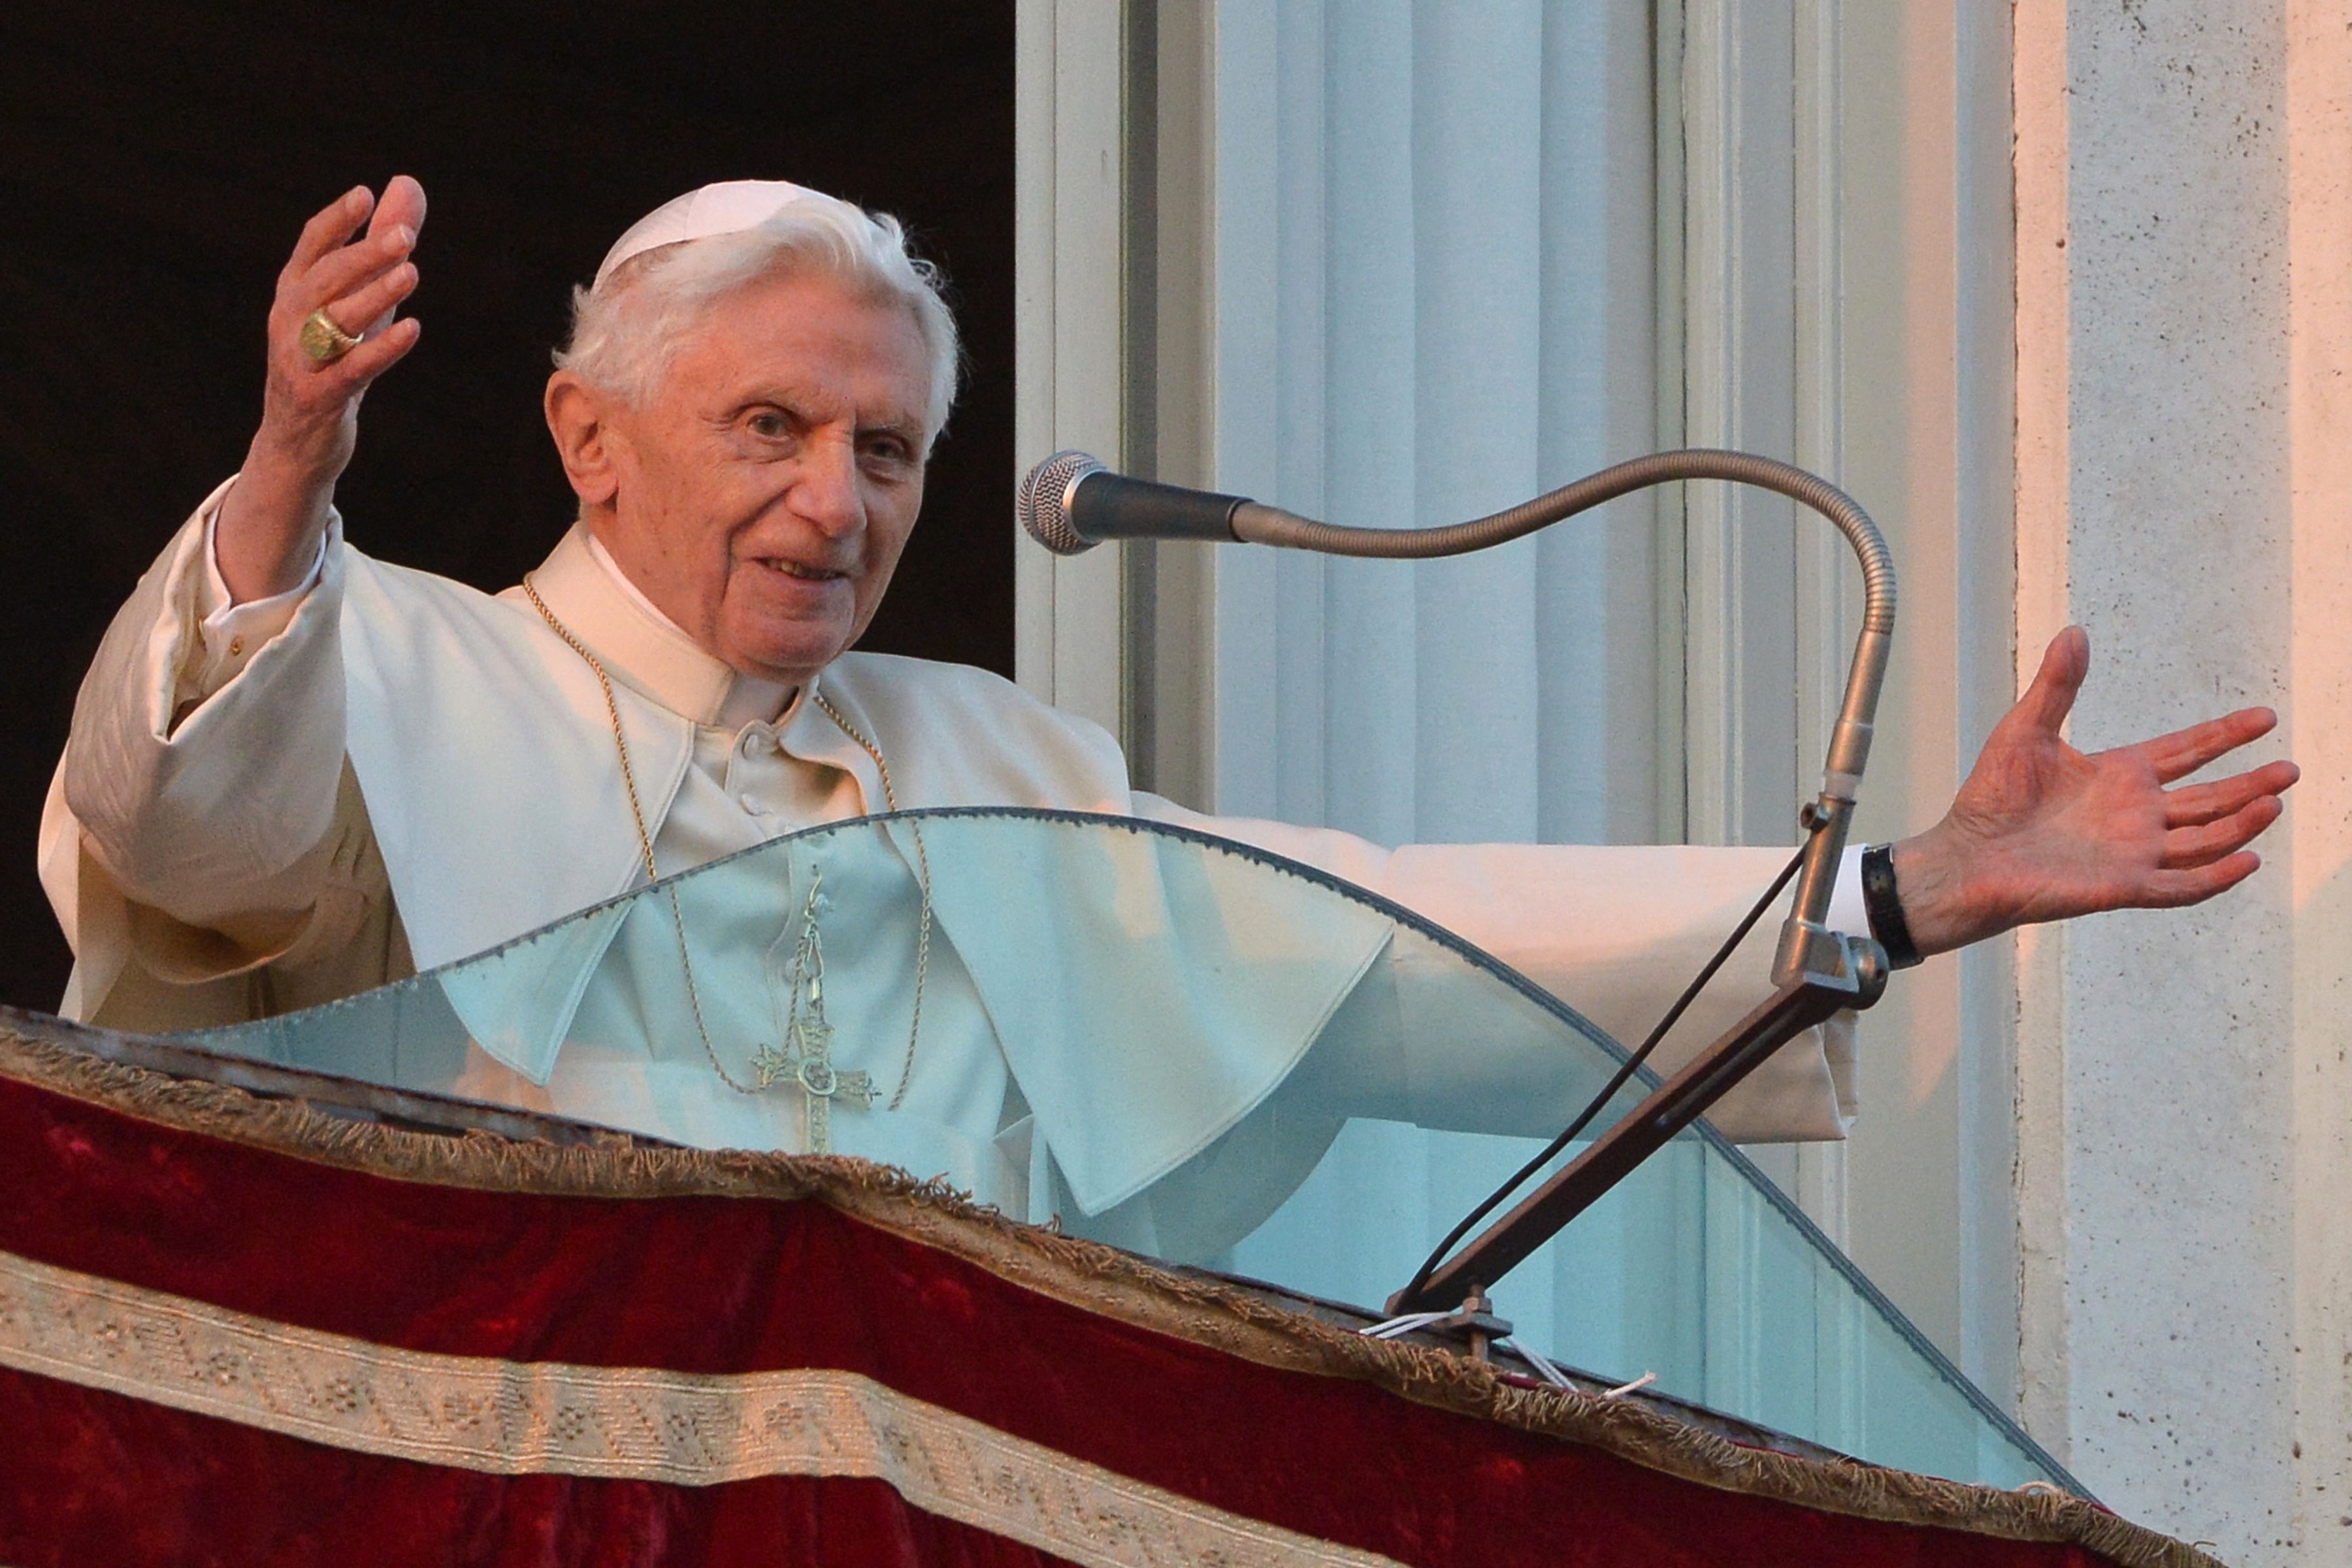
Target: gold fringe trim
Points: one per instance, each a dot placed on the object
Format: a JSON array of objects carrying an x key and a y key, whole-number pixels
[{"x": 1096, "y": 1279}]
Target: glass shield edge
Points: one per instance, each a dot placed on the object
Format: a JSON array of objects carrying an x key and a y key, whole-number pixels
[{"x": 1477, "y": 958}]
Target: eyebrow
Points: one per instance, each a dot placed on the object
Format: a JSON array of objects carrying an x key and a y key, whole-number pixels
[
  {"x": 909, "y": 424},
  {"x": 911, "y": 428}
]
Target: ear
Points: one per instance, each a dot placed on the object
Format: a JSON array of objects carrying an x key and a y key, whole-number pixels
[{"x": 580, "y": 417}]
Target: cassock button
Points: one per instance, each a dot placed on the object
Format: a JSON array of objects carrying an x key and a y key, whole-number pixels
[
  {"x": 751, "y": 805},
  {"x": 235, "y": 646}
]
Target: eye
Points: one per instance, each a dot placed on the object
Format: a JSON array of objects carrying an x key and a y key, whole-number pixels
[
  {"x": 887, "y": 447},
  {"x": 769, "y": 424}
]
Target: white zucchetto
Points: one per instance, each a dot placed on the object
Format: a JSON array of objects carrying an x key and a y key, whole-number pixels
[{"x": 730, "y": 207}]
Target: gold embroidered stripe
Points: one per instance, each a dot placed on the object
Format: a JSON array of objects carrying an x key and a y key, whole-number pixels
[{"x": 545, "y": 1417}]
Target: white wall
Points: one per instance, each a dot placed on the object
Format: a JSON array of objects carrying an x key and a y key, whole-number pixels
[{"x": 2184, "y": 330}]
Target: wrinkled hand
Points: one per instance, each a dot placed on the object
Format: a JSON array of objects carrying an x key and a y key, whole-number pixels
[
  {"x": 267, "y": 533},
  {"x": 2041, "y": 832}
]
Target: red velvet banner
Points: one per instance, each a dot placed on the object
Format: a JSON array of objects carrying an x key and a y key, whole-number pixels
[{"x": 223, "y": 1351}]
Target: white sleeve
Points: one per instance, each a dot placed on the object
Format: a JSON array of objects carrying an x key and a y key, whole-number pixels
[
  {"x": 1613, "y": 930},
  {"x": 228, "y": 632},
  {"x": 203, "y": 779}
]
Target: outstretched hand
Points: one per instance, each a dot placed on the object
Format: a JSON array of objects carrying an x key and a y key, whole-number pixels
[
  {"x": 2041, "y": 831},
  {"x": 267, "y": 533}
]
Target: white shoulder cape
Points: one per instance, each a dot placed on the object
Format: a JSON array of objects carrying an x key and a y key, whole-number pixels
[{"x": 484, "y": 749}]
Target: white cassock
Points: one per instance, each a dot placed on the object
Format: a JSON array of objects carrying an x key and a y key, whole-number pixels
[{"x": 268, "y": 806}]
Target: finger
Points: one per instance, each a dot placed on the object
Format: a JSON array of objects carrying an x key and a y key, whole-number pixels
[
  {"x": 350, "y": 375},
  {"x": 2193, "y": 804},
  {"x": 2188, "y": 846},
  {"x": 329, "y": 227},
  {"x": 403, "y": 203},
  {"x": 2174, "y": 890},
  {"x": 352, "y": 267},
  {"x": 371, "y": 306},
  {"x": 2051, "y": 698},
  {"x": 402, "y": 211},
  {"x": 2183, "y": 751}
]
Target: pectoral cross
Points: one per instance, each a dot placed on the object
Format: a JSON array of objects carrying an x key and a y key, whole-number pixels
[{"x": 807, "y": 1060}]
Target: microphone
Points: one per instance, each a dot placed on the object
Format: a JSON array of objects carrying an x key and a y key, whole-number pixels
[{"x": 1070, "y": 502}]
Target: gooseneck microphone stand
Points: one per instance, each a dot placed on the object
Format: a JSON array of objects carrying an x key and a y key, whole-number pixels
[{"x": 1071, "y": 502}]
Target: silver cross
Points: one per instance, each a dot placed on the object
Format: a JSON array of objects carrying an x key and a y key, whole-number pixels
[{"x": 808, "y": 1061}]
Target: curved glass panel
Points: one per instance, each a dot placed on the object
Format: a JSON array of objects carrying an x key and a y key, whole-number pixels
[{"x": 1175, "y": 1043}]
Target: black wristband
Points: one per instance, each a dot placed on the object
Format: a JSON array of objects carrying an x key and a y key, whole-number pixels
[{"x": 1884, "y": 905}]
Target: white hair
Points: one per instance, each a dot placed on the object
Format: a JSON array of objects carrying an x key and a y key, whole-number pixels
[{"x": 625, "y": 333}]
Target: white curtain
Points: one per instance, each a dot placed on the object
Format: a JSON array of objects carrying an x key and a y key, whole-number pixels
[{"x": 1435, "y": 295}]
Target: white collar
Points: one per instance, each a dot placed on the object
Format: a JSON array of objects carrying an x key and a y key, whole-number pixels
[{"x": 643, "y": 648}]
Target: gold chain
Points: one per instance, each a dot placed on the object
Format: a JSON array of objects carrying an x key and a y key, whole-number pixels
[
  {"x": 678, "y": 917},
  {"x": 923, "y": 872}
]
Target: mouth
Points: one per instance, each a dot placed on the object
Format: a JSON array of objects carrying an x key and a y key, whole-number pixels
[{"x": 800, "y": 571}]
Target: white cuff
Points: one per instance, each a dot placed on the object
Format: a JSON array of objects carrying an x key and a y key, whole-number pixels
[
  {"x": 1848, "y": 913},
  {"x": 229, "y": 632}
]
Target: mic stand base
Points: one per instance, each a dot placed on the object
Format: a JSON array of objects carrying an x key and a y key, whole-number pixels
[{"x": 1473, "y": 1321}]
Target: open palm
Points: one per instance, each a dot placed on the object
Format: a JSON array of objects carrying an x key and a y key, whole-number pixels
[{"x": 2041, "y": 831}]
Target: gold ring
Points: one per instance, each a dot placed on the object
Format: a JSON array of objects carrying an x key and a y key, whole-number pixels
[{"x": 323, "y": 340}]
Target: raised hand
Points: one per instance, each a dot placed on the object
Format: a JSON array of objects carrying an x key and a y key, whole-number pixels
[
  {"x": 2041, "y": 831},
  {"x": 268, "y": 531}
]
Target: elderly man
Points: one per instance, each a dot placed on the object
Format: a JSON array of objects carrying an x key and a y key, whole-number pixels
[{"x": 296, "y": 772}]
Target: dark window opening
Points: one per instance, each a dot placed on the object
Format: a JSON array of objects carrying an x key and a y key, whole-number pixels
[{"x": 158, "y": 157}]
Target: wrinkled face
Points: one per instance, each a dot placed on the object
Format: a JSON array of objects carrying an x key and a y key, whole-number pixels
[{"x": 765, "y": 490}]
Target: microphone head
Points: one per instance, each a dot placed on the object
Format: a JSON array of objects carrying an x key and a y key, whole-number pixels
[{"x": 1047, "y": 492}]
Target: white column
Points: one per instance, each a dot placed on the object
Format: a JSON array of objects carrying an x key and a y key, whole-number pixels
[
  {"x": 1921, "y": 350},
  {"x": 2184, "y": 327},
  {"x": 2320, "y": 303},
  {"x": 1069, "y": 350}
]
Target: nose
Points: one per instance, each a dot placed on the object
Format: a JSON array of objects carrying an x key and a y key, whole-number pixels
[{"x": 826, "y": 490}]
